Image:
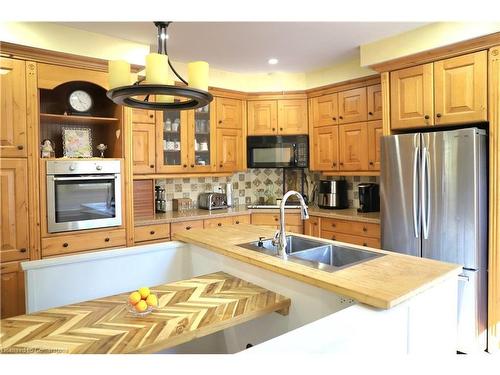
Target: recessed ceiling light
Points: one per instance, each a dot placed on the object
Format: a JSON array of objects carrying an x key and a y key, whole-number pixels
[{"x": 272, "y": 61}]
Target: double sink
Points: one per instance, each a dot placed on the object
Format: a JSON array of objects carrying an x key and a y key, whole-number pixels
[{"x": 315, "y": 254}]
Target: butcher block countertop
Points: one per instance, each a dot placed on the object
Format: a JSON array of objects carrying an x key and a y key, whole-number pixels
[
  {"x": 200, "y": 214},
  {"x": 187, "y": 310},
  {"x": 381, "y": 282}
]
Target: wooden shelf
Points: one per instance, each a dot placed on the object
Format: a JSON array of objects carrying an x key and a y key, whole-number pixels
[{"x": 74, "y": 119}]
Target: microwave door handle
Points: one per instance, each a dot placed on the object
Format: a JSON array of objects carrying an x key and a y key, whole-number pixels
[{"x": 81, "y": 178}]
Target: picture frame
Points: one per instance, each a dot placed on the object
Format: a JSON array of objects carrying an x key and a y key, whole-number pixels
[{"x": 77, "y": 142}]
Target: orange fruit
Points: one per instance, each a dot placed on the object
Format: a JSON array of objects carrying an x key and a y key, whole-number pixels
[
  {"x": 152, "y": 300},
  {"x": 134, "y": 297},
  {"x": 144, "y": 292},
  {"x": 141, "y": 306}
]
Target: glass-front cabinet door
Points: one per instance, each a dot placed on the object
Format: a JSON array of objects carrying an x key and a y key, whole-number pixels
[
  {"x": 172, "y": 141},
  {"x": 201, "y": 135}
]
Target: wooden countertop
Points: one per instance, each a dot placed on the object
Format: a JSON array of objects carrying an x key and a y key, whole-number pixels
[
  {"x": 199, "y": 214},
  {"x": 187, "y": 310},
  {"x": 382, "y": 282}
]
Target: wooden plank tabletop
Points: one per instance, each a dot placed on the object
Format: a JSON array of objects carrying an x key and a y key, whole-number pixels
[
  {"x": 381, "y": 282},
  {"x": 186, "y": 310}
]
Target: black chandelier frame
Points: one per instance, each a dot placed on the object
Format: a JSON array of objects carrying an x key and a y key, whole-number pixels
[{"x": 127, "y": 95}]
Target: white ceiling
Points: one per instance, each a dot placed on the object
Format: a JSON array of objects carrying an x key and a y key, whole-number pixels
[{"x": 246, "y": 46}]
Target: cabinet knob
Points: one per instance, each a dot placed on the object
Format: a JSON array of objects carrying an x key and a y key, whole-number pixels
[
  {"x": 426, "y": 117},
  {"x": 275, "y": 219},
  {"x": 334, "y": 164},
  {"x": 22, "y": 250},
  {"x": 219, "y": 224},
  {"x": 152, "y": 232},
  {"x": 281, "y": 128},
  {"x": 192, "y": 165},
  {"x": 341, "y": 163},
  {"x": 220, "y": 165},
  {"x": 334, "y": 118},
  {"x": 98, "y": 167},
  {"x": 184, "y": 165},
  {"x": 188, "y": 227},
  {"x": 370, "y": 113},
  {"x": 65, "y": 244},
  {"x": 220, "y": 121},
  {"x": 151, "y": 166},
  {"x": 371, "y": 163},
  {"x": 340, "y": 117},
  {"x": 237, "y": 221},
  {"x": 365, "y": 244},
  {"x": 334, "y": 225},
  {"x": 106, "y": 239},
  {"x": 20, "y": 147},
  {"x": 364, "y": 229},
  {"x": 334, "y": 238},
  {"x": 151, "y": 116},
  {"x": 438, "y": 115}
]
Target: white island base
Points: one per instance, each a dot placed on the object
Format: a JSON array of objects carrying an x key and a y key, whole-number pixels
[{"x": 319, "y": 321}]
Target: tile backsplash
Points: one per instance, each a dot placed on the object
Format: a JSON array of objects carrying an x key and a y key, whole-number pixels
[{"x": 253, "y": 186}]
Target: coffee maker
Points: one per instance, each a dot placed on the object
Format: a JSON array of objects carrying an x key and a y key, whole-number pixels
[
  {"x": 369, "y": 200},
  {"x": 333, "y": 194}
]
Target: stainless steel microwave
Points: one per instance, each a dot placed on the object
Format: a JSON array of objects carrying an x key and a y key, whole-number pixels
[
  {"x": 83, "y": 194},
  {"x": 278, "y": 151}
]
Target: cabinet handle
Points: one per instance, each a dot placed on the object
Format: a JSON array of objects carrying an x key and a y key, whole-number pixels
[
  {"x": 341, "y": 163},
  {"x": 237, "y": 221},
  {"x": 275, "y": 219},
  {"x": 371, "y": 163},
  {"x": 152, "y": 232},
  {"x": 151, "y": 166},
  {"x": 106, "y": 239},
  {"x": 365, "y": 244},
  {"x": 20, "y": 147},
  {"x": 220, "y": 121},
  {"x": 188, "y": 227},
  {"x": 334, "y": 164},
  {"x": 340, "y": 117},
  {"x": 364, "y": 229},
  {"x": 334, "y": 118},
  {"x": 334, "y": 238},
  {"x": 426, "y": 117},
  {"x": 438, "y": 115},
  {"x": 184, "y": 166},
  {"x": 334, "y": 225},
  {"x": 274, "y": 129},
  {"x": 192, "y": 165},
  {"x": 65, "y": 244},
  {"x": 219, "y": 224},
  {"x": 370, "y": 113},
  {"x": 151, "y": 116},
  {"x": 22, "y": 250},
  {"x": 220, "y": 165},
  {"x": 281, "y": 128}
]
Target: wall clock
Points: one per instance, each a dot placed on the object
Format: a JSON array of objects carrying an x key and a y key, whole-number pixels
[{"x": 80, "y": 102}]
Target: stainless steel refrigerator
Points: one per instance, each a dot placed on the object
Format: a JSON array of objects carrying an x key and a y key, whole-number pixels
[{"x": 434, "y": 205}]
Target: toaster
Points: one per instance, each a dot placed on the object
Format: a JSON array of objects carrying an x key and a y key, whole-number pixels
[{"x": 212, "y": 201}]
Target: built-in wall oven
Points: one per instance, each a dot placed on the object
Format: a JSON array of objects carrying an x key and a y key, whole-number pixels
[{"x": 83, "y": 194}]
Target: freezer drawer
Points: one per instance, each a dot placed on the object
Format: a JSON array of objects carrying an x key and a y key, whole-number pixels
[{"x": 472, "y": 310}]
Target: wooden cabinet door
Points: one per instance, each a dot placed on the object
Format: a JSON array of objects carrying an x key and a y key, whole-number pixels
[
  {"x": 12, "y": 298},
  {"x": 143, "y": 139},
  {"x": 229, "y": 150},
  {"x": 292, "y": 116},
  {"x": 143, "y": 116},
  {"x": 374, "y": 102},
  {"x": 14, "y": 203},
  {"x": 412, "y": 97},
  {"x": 374, "y": 135},
  {"x": 325, "y": 110},
  {"x": 311, "y": 226},
  {"x": 460, "y": 86},
  {"x": 229, "y": 113},
  {"x": 172, "y": 141},
  {"x": 325, "y": 152},
  {"x": 262, "y": 117},
  {"x": 202, "y": 140},
  {"x": 352, "y": 106},
  {"x": 13, "y": 108},
  {"x": 353, "y": 139}
]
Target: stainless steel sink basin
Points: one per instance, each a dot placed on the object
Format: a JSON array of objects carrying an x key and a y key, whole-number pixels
[{"x": 315, "y": 254}]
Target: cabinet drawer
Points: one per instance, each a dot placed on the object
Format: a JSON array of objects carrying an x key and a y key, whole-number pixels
[
  {"x": 151, "y": 232},
  {"x": 185, "y": 225},
  {"x": 241, "y": 219},
  {"x": 217, "y": 222},
  {"x": 351, "y": 227},
  {"x": 81, "y": 242},
  {"x": 274, "y": 219},
  {"x": 356, "y": 240}
]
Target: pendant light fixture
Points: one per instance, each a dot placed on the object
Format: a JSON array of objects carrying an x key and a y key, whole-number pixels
[{"x": 158, "y": 82}]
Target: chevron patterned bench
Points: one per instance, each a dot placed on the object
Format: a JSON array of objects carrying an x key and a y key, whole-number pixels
[{"x": 187, "y": 310}]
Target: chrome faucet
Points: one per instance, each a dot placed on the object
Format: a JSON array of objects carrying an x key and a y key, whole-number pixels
[{"x": 280, "y": 236}]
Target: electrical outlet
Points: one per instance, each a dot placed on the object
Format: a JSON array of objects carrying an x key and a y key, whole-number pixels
[{"x": 345, "y": 300}]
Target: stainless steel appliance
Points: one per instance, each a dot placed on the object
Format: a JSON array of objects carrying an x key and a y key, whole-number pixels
[
  {"x": 434, "y": 205},
  {"x": 278, "y": 151},
  {"x": 212, "y": 201},
  {"x": 333, "y": 194},
  {"x": 83, "y": 194},
  {"x": 369, "y": 199},
  {"x": 160, "y": 199}
]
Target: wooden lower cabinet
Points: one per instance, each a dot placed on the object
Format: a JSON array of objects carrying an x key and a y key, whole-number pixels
[
  {"x": 293, "y": 222},
  {"x": 73, "y": 243},
  {"x": 12, "y": 299},
  {"x": 185, "y": 225},
  {"x": 152, "y": 233},
  {"x": 356, "y": 240},
  {"x": 355, "y": 232},
  {"x": 312, "y": 226},
  {"x": 217, "y": 222},
  {"x": 241, "y": 219}
]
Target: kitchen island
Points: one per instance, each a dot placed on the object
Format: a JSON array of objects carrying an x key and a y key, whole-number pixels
[{"x": 390, "y": 304}]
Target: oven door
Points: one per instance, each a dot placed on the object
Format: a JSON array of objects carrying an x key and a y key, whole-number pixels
[{"x": 83, "y": 202}]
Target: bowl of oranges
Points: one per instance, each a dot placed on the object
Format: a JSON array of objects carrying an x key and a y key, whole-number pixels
[{"x": 141, "y": 302}]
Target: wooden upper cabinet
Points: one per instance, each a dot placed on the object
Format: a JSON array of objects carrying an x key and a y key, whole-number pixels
[
  {"x": 229, "y": 150},
  {"x": 229, "y": 113},
  {"x": 374, "y": 135},
  {"x": 374, "y": 102},
  {"x": 412, "y": 97},
  {"x": 460, "y": 85},
  {"x": 262, "y": 117},
  {"x": 143, "y": 116},
  {"x": 292, "y": 116},
  {"x": 13, "y": 140},
  {"x": 143, "y": 138},
  {"x": 353, "y": 142},
  {"x": 325, "y": 150},
  {"x": 325, "y": 110},
  {"x": 352, "y": 105},
  {"x": 14, "y": 204}
]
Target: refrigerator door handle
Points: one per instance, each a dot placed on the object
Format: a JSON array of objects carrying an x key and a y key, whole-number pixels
[
  {"x": 463, "y": 277},
  {"x": 425, "y": 193},
  {"x": 416, "y": 216}
]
